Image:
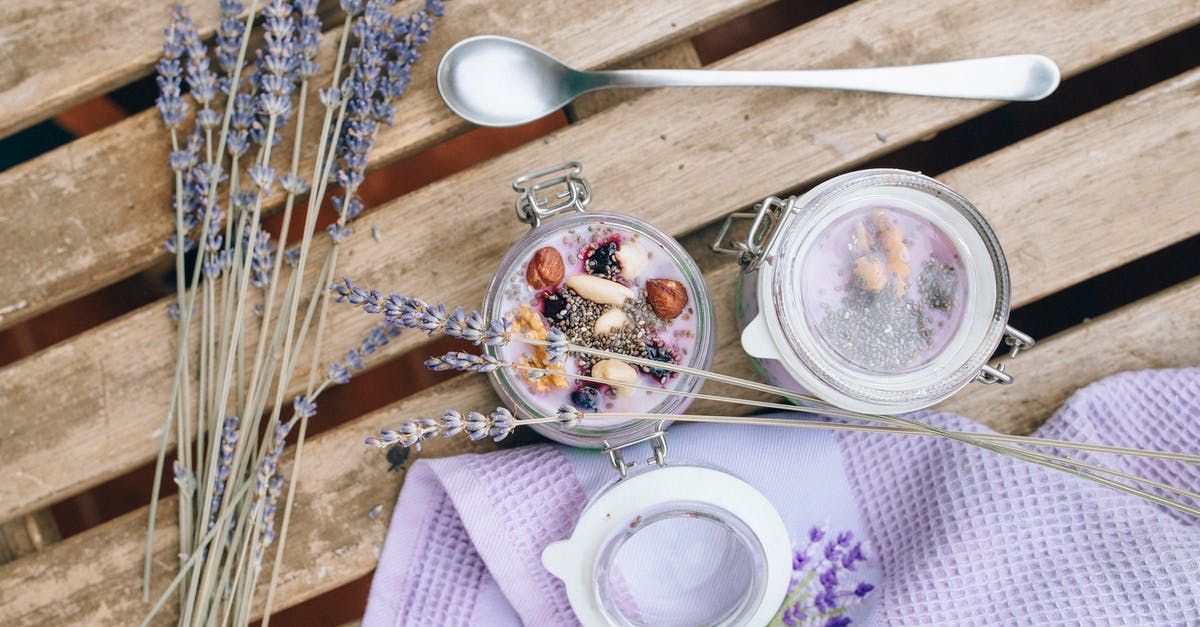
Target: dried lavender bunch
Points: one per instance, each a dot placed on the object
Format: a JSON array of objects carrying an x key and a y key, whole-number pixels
[{"x": 227, "y": 106}]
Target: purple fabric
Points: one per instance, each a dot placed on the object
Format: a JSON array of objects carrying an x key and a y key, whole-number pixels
[{"x": 957, "y": 535}]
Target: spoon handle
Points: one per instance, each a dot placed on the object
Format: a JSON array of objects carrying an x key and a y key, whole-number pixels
[{"x": 1013, "y": 77}]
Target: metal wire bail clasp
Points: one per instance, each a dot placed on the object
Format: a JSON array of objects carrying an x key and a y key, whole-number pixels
[
  {"x": 658, "y": 443},
  {"x": 764, "y": 228},
  {"x": 567, "y": 192},
  {"x": 1017, "y": 342}
]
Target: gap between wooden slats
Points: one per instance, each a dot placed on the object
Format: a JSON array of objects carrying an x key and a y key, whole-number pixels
[
  {"x": 97, "y": 209},
  {"x": 700, "y": 171}
]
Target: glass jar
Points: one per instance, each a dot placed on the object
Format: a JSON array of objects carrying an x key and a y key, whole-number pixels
[
  {"x": 881, "y": 291},
  {"x": 674, "y": 545},
  {"x": 642, "y": 294},
  {"x": 610, "y": 281}
]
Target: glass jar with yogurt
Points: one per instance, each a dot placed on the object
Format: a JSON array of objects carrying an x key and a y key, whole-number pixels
[
  {"x": 880, "y": 291},
  {"x": 611, "y": 282}
]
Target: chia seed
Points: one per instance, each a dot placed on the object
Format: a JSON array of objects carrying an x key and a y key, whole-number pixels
[
  {"x": 878, "y": 330},
  {"x": 938, "y": 284}
]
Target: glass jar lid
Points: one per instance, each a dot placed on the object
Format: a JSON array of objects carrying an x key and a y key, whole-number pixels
[
  {"x": 888, "y": 291},
  {"x": 675, "y": 545}
]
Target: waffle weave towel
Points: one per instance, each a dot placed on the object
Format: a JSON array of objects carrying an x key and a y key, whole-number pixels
[{"x": 956, "y": 535}]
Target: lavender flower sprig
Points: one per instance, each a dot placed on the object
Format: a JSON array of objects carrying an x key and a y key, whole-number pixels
[
  {"x": 496, "y": 425},
  {"x": 819, "y": 593}
]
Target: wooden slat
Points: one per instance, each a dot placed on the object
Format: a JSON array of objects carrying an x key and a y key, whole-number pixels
[
  {"x": 62, "y": 52},
  {"x": 706, "y": 165},
  {"x": 28, "y": 534},
  {"x": 97, "y": 209},
  {"x": 93, "y": 577},
  {"x": 678, "y": 55}
]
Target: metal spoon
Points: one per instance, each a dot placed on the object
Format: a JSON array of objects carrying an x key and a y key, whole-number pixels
[{"x": 498, "y": 81}]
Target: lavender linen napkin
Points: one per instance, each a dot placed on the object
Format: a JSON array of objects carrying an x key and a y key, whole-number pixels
[{"x": 955, "y": 535}]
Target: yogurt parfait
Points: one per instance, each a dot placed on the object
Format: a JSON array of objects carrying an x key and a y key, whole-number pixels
[
  {"x": 613, "y": 283},
  {"x": 880, "y": 291}
]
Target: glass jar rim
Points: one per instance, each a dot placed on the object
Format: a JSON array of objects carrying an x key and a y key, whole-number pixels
[
  {"x": 579, "y": 559},
  {"x": 700, "y": 357},
  {"x": 973, "y": 341}
]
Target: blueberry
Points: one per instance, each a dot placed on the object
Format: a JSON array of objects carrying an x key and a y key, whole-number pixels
[
  {"x": 553, "y": 305},
  {"x": 602, "y": 260},
  {"x": 658, "y": 353},
  {"x": 586, "y": 398}
]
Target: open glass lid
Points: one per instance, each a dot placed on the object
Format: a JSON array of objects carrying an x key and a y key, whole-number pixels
[
  {"x": 888, "y": 291},
  {"x": 674, "y": 545}
]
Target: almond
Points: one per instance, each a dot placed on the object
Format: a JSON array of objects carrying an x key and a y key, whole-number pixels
[
  {"x": 610, "y": 321},
  {"x": 615, "y": 371},
  {"x": 632, "y": 259},
  {"x": 545, "y": 268},
  {"x": 599, "y": 290},
  {"x": 667, "y": 297}
]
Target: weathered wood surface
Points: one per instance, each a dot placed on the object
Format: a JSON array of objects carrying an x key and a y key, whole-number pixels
[
  {"x": 97, "y": 209},
  {"x": 678, "y": 55},
  {"x": 121, "y": 370},
  {"x": 62, "y": 52},
  {"x": 27, "y": 534},
  {"x": 94, "y": 577}
]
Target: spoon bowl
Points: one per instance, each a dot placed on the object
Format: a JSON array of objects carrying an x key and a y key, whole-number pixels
[{"x": 499, "y": 81}]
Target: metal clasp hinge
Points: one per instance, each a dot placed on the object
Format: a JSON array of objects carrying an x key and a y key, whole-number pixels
[
  {"x": 1017, "y": 342},
  {"x": 765, "y": 220},
  {"x": 658, "y": 443},
  {"x": 568, "y": 192}
]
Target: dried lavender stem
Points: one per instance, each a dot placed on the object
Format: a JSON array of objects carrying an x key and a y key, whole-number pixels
[
  {"x": 820, "y": 406},
  {"x": 238, "y": 323},
  {"x": 832, "y": 411},
  {"x": 186, "y": 307},
  {"x": 841, "y": 426},
  {"x": 192, "y": 558}
]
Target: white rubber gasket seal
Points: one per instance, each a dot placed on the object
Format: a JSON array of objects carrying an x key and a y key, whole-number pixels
[{"x": 573, "y": 560}]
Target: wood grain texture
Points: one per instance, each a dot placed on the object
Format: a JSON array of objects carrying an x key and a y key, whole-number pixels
[
  {"x": 120, "y": 371},
  {"x": 97, "y": 210},
  {"x": 675, "y": 56},
  {"x": 93, "y": 577},
  {"x": 62, "y": 52},
  {"x": 27, "y": 534}
]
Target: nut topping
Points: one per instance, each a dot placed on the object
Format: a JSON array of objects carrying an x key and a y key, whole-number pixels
[
  {"x": 632, "y": 259},
  {"x": 600, "y": 290},
  {"x": 616, "y": 371},
  {"x": 667, "y": 297},
  {"x": 610, "y": 321},
  {"x": 545, "y": 268}
]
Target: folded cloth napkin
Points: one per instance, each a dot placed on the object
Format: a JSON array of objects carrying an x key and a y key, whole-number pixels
[{"x": 953, "y": 535}]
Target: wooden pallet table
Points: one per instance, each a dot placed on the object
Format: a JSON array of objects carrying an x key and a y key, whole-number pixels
[{"x": 1091, "y": 194}]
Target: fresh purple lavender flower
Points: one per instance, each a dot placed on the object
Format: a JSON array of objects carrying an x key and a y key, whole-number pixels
[{"x": 819, "y": 570}]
